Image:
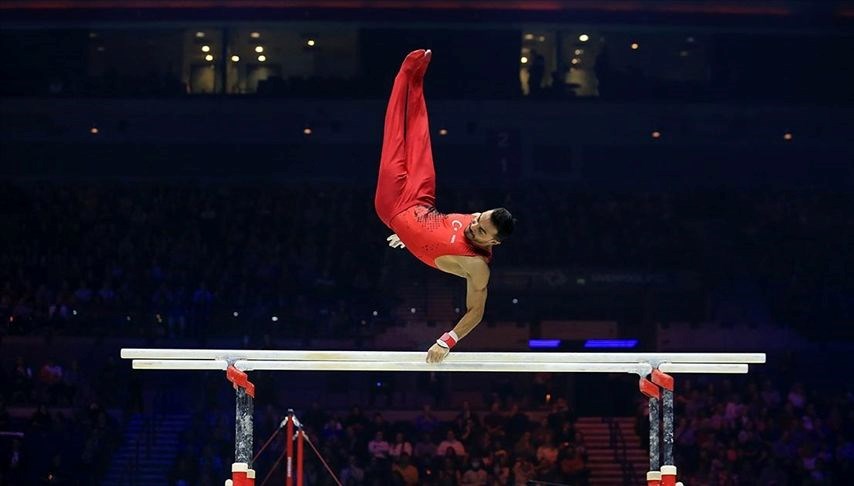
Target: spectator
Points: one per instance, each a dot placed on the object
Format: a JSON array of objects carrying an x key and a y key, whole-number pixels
[
  {"x": 400, "y": 446},
  {"x": 451, "y": 443},
  {"x": 352, "y": 474},
  {"x": 474, "y": 475},
  {"x": 405, "y": 470},
  {"x": 378, "y": 447}
]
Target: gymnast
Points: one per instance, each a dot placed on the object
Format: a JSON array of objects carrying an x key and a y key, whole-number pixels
[{"x": 459, "y": 244}]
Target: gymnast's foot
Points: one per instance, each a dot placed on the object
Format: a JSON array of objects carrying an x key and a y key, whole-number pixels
[
  {"x": 412, "y": 62},
  {"x": 421, "y": 70}
]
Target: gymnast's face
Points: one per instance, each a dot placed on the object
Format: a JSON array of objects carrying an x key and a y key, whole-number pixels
[{"x": 481, "y": 231}]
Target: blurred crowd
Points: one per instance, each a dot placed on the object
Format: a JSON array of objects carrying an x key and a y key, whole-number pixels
[
  {"x": 756, "y": 431},
  {"x": 193, "y": 260},
  {"x": 762, "y": 432},
  {"x": 55, "y": 425},
  {"x": 495, "y": 447}
]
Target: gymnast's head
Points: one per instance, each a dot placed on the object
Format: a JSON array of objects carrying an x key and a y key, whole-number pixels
[{"x": 491, "y": 227}]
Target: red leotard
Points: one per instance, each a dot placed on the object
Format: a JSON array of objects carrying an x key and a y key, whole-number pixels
[
  {"x": 429, "y": 234},
  {"x": 406, "y": 187}
]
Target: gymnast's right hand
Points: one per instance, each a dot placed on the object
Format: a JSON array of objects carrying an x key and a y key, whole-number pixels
[{"x": 394, "y": 241}]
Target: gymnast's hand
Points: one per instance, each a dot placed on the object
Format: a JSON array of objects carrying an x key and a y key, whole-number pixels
[
  {"x": 394, "y": 241},
  {"x": 437, "y": 353}
]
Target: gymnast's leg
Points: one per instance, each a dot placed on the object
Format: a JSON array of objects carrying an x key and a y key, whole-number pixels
[
  {"x": 393, "y": 175},
  {"x": 421, "y": 175}
]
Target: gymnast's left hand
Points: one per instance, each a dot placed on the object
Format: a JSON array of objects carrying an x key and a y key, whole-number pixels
[
  {"x": 437, "y": 353},
  {"x": 394, "y": 241}
]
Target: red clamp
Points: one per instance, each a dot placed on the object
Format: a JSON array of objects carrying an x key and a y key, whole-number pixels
[
  {"x": 649, "y": 389},
  {"x": 662, "y": 379},
  {"x": 240, "y": 379}
]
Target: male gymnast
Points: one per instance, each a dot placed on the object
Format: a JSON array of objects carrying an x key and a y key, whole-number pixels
[{"x": 460, "y": 244}]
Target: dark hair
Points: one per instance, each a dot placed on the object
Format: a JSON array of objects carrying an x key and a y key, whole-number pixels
[{"x": 504, "y": 222}]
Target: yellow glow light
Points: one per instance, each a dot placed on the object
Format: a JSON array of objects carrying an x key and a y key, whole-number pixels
[
  {"x": 262, "y": 58},
  {"x": 524, "y": 60},
  {"x": 206, "y": 48},
  {"x": 584, "y": 37},
  {"x": 208, "y": 58},
  {"x": 235, "y": 58},
  {"x": 259, "y": 48}
]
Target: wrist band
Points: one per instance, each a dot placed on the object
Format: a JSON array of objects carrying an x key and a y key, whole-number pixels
[{"x": 448, "y": 340}]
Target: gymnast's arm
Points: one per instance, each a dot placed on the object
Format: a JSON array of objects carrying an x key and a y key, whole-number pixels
[{"x": 477, "y": 278}]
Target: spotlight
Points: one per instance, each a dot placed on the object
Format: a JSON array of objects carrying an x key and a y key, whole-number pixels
[
  {"x": 584, "y": 37},
  {"x": 579, "y": 52},
  {"x": 94, "y": 130},
  {"x": 529, "y": 36},
  {"x": 656, "y": 134},
  {"x": 412, "y": 310},
  {"x": 524, "y": 60},
  {"x": 255, "y": 35},
  {"x": 200, "y": 35},
  {"x": 310, "y": 43},
  {"x": 635, "y": 46},
  {"x": 275, "y": 319},
  {"x": 259, "y": 49},
  {"x": 209, "y": 58},
  {"x": 235, "y": 314},
  {"x": 206, "y": 48},
  {"x": 375, "y": 313},
  {"x": 262, "y": 58},
  {"x": 575, "y": 60},
  {"x": 515, "y": 301},
  {"x": 235, "y": 58},
  {"x": 787, "y": 136},
  {"x": 306, "y": 131},
  {"x": 443, "y": 131}
]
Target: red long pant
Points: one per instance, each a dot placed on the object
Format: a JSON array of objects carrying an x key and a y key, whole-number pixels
[{"x": 406, "y": 176}]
